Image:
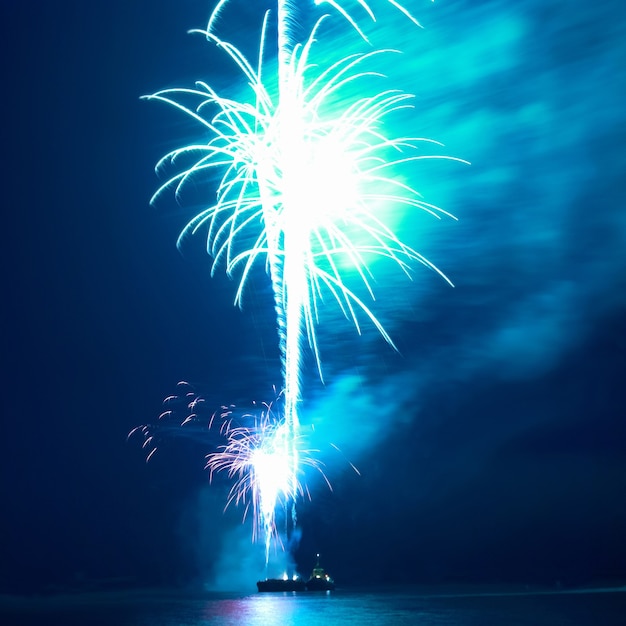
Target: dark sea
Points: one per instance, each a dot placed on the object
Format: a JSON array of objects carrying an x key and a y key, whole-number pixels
[{"x": 389, "y": 607}]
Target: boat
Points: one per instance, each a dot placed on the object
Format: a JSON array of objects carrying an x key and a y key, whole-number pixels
[
  {"x": 320, "y": 580},
  {"x": 281, "y": 584}
]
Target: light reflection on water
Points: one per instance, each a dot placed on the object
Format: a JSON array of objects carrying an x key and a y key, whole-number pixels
[{"x": 389, "y": 608}]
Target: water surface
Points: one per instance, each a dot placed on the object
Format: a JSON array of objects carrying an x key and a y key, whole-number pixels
[{"x": 391, "y": 607}]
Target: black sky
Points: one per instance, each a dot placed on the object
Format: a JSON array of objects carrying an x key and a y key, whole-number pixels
[{"x": 493, "y": 449}]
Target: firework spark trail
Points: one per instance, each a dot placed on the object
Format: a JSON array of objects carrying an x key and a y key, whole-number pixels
[
  {"x": 308, "y": 178},
  {"x": 339, "y": 7},
  {"x": 186, "y": 414}
]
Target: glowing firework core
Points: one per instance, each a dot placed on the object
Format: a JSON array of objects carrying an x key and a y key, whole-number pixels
[{"x": 272, "y": 467}]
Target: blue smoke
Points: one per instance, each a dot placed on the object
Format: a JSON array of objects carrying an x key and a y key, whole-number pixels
[{"x": 532, "y": 96}]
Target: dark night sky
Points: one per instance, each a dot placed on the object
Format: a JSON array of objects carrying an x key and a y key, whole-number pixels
[{"x": 492, "y": 449}]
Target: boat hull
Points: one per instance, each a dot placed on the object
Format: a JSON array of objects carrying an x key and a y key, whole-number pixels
[{"x": 279, "y": 584}]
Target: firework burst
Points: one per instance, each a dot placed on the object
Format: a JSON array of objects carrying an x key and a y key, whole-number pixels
[
  {"x": 257, "y": 457},
  {"x": 304, "y": 168}
]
